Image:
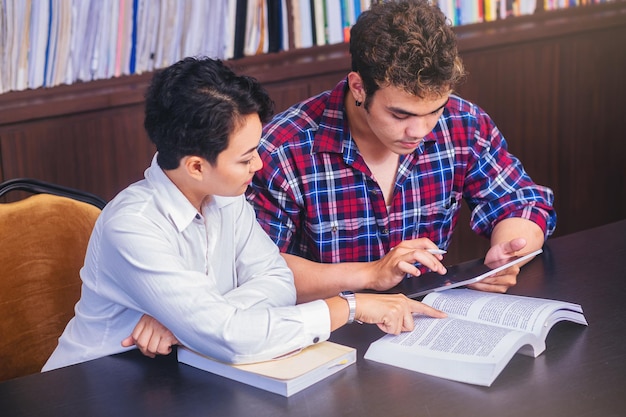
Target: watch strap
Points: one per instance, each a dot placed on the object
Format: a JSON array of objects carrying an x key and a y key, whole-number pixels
[{"x": 351, "y": 299}]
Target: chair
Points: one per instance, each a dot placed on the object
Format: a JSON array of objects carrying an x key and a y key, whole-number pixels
[
  {"x": 42, "y": 187},
  {"x": 43, "y": 240}
]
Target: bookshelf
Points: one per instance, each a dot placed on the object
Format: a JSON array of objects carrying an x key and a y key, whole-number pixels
[
  {"x": 51, "y": 43},
  {"x": 552, "y": 81}
]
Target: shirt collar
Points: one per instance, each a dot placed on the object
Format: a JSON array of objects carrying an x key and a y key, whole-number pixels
[
  {"x": 172, "y": 201},
  {"x": 333, "y": 129}
]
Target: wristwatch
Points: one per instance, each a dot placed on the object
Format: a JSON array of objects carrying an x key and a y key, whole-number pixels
[{"x": 351, "y": 299}]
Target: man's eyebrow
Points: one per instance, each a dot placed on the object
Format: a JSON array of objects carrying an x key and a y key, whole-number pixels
[
  {"x": 249, "y": 151},
  {"x": 401, "y": 111}
]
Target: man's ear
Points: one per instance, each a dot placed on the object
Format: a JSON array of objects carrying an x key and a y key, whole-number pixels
[
  {"x": 194, "y": 166},
  {"x": 355, "y": 84}
]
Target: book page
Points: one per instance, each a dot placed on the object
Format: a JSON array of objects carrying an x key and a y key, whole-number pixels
[
  {"x": 453, "y": 348},
  {"x": 64, "y": 37},
  {"x": 511, "y": 311},
  {"x": 442, "y": 337}
]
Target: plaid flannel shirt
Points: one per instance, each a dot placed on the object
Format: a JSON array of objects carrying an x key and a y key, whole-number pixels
[{"x": 316, "y": 197}]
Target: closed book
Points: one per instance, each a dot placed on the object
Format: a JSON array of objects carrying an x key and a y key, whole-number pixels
[
  {"x": 285, "y": 376},
  {"x": 274, "y": 25},
  {"x": 241, "y": 17}
]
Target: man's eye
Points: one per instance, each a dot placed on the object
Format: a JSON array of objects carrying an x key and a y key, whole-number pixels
[
  {"x": 249, "y": 160},
  {"x": 399, "y": 116}
]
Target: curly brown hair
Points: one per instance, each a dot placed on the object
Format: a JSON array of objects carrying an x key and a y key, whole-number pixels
[{"x": 406, "y": 44}]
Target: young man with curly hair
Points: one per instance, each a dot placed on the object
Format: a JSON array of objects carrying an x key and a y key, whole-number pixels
[{"x": 359, "y": 182}]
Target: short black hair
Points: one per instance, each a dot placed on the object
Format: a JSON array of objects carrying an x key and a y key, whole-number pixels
[{"x": 193, "y": 106}]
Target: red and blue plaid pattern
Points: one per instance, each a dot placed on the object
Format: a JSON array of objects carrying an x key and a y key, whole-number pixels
[{"x": 316, "y": 197}]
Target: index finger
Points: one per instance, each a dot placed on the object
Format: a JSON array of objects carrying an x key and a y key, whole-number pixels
[
  {"x": 419, "y": 243},
  {"x": 421, "y": 308}
]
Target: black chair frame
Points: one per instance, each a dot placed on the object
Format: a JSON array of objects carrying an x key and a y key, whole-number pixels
[{"x": 42, "y": 187}]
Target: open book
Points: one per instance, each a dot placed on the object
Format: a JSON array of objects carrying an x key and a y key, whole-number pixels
[
  {"x": 285, "y": 376},
  {"x": 478, "y": 338}
]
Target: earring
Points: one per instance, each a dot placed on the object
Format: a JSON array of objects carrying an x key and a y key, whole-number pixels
[{"x": 358, "y": 103}]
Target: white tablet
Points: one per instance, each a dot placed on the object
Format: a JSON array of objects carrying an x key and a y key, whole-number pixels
[{"x": 457, "y": 276}]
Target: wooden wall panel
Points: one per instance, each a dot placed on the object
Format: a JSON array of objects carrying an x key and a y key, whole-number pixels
[
  {"x": 592, "y": 138},
  {"x": 556, "y": 103},
  {"x": 293, "y": 76},
  {"x": 101, "y": 152},
  {"x": 518, "y": 87},
  {"x": 287, "y": 94}
]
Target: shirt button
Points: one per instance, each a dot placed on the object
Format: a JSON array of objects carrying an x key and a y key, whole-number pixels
[
  {"x": 316, "y": 339},
  {"x": 385, "y": 231}
]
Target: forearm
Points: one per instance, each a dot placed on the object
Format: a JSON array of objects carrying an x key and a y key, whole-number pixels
[
  {"x": 316, "y": 280},
  {"x": 339, "y": 311},
  {"x": 516, "y": 227}
]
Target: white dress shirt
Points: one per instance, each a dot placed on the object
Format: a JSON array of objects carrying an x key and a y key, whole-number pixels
[{"x": 214, "y": 279}]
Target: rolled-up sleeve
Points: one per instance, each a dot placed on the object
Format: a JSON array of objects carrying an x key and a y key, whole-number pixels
[{"x": 498, "y": 187}]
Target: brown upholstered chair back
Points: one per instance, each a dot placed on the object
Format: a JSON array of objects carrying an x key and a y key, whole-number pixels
[{"x": 43, "y": 240}]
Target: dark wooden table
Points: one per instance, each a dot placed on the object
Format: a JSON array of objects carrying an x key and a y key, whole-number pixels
[{"x": 581, "y": 373}]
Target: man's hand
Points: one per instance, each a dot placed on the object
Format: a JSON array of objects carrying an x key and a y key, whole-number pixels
[
  {"x": 393, "y": 267},
  {"x": 151, "y": 337},
  {"x": 392, "y": 313},
  {"x": 503, "y": 280},
  {"x": 510, "y": 237}
]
